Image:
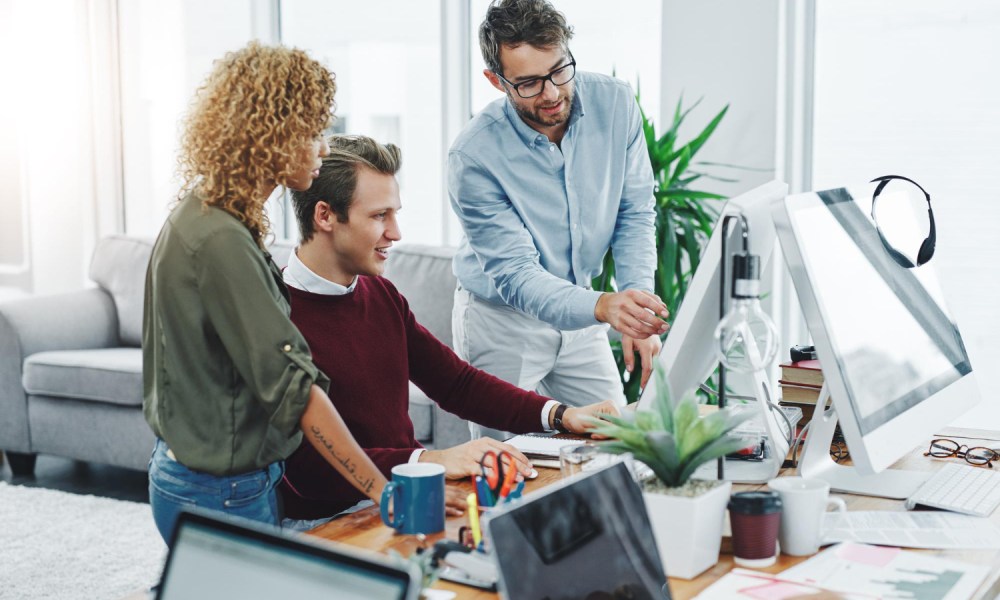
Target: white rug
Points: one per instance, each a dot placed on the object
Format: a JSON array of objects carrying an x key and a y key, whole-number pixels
[{"x": 60, "y": 545}]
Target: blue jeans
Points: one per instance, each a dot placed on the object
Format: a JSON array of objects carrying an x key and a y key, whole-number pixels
[{"x": 173, "y": 488}]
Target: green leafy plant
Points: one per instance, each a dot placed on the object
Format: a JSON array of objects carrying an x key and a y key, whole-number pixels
[
  {"x": 684, "y": 219},
  {"x": 672, "y": 440}
]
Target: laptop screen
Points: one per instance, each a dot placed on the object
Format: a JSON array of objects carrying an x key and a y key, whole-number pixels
[
  {"x": 212, "y": 559},
  {"x": 589, "y": 537}
]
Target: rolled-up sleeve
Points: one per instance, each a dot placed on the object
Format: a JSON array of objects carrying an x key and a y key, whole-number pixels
[
  {"x": 507, "y": 253},
  {"x": 251, "y": 320},
  {"x": 634, "y": 241}
]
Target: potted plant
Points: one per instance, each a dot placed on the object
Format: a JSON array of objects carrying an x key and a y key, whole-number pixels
[
  {"x": 684, "y": 219},
  {"x": 673, "y": 440}
]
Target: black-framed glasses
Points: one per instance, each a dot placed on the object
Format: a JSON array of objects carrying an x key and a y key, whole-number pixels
[
  {"x": 976, "y": 455},
  {"x": 533, "y": 87}
]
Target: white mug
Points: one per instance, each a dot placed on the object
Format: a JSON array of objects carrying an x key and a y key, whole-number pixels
[{"x": 804, "y": 501}]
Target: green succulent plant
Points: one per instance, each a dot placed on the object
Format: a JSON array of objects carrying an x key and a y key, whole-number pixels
[{"x": 672, "y": 439}]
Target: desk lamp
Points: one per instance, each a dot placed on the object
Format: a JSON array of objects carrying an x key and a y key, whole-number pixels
[{"x": 745, "y": 338}]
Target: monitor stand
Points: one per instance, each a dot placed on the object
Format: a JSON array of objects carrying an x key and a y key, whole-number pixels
[{"x": 816, "y": 462}]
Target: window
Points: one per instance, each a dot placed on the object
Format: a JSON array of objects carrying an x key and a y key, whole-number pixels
[
  {"x": 387, "y": 58},
  {"x": 167, "y": 49}
]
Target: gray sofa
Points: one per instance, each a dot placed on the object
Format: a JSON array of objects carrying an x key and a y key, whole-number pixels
[{"x": 71, "y": 364}]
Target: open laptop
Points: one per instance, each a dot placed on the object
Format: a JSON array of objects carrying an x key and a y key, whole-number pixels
[
  {"x": 587, "y": 537},
  {"x": 219, "y": 559}
]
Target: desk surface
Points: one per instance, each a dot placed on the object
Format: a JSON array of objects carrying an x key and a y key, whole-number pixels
[{"x": 365, "y": 529}]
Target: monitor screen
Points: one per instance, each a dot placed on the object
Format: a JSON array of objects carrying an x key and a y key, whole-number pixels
[
  {"x": 893, "y": 341},
  {"x": 587, "y": 538},
  {"x": 210, "y": 559}
]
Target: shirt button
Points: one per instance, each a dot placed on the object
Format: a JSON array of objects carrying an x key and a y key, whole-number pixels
[
  {"x": 552, "y": 147},
  {"x": 287, "y": 348},
  {"x": 574, "y": 225}
]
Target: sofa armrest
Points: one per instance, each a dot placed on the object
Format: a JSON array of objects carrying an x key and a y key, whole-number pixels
[{"x": 72, "y": 321}]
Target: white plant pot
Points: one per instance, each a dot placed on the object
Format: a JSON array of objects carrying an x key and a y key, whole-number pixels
[{"x": 688, "y": 531}]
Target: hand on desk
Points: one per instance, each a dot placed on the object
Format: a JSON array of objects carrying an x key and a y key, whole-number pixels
[
  {"x": 463, "y": 460},
  {"x": 454, "y": 501},
  {"x": 577, "y": 419}
]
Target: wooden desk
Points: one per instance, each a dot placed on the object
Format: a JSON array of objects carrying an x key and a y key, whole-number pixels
[{"x": 365, "y": 529}]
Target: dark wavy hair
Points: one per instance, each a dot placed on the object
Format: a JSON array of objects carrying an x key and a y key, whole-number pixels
[{"x": 515, "y": 22}]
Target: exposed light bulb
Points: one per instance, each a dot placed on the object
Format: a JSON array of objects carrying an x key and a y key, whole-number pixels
[{"x": 746, "y": 339}]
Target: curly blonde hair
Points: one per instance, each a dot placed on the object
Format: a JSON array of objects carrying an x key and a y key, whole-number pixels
[{"x": 248, "y": 126}]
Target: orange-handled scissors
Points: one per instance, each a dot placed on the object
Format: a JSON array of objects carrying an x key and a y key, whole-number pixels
[{"x": 494, "y": 466}]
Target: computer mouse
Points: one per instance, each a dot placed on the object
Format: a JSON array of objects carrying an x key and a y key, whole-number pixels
[{"x": 533, "y": 474}]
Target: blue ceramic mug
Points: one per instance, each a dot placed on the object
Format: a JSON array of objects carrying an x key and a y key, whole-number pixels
[{"x": 417, "y": 495}]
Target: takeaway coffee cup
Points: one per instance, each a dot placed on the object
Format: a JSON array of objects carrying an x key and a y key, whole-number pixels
[
  {"x": 755, "y": 517},
  {"x": 416, "y": 495},
  {"x": 805, "y": 501}
]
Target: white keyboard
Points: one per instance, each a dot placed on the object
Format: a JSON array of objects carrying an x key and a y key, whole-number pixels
[{"x": 960, "y": 488}]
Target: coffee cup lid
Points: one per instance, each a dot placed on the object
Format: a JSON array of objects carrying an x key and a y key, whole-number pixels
[{"x": 755, "y": 503}]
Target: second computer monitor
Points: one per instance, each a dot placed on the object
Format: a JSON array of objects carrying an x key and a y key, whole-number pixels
[
  {"x": 688, "y": 355},
  {"x": 893, "y": 359}
]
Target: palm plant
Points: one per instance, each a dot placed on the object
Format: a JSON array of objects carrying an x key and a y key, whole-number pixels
[
  {"x": 684, "y": 219},
  {"x": 672, "y": 440}
]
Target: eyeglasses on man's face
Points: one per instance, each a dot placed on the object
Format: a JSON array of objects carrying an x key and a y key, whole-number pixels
[
  {"x": 533, "y": 87},
  {"x": 977, "y": 455}
]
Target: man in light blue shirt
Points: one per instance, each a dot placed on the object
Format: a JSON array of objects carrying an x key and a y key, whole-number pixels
[{"x": 544, "y": 181}]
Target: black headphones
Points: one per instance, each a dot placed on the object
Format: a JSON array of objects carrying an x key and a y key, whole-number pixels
[{"x": 926, "y": 247}]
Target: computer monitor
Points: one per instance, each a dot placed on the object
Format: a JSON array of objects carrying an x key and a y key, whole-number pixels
[
  {"x": 688, "y": 355},
  {"x": 893, "y": 359},
  {"x": 210, "y": 558}
]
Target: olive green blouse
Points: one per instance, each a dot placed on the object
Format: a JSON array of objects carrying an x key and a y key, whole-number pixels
[{"x": 226, "y": 375}]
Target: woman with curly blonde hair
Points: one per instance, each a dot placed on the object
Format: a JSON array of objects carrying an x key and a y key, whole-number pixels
[{"x": 229, "y": 382}]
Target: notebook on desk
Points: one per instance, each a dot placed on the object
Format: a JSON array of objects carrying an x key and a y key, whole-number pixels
[
  {"x": 218, "y": 559},
  {"x": 541, "y": 446}
]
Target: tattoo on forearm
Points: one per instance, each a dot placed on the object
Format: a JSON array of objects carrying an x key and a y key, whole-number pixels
[{"x": 366, "y": 484}]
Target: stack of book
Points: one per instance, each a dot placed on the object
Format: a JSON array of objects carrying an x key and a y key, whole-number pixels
[{"x": 800, "y": 385}]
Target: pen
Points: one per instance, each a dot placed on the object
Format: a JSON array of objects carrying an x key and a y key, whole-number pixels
[
  {"x": 474, "y": 519},
  {"x": 485, "y": 495},
  {"x": 507, "y": 481},
  {"x": 516, "y": 493}
]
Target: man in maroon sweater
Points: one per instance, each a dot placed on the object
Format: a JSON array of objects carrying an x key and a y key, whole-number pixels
[{"x": 364, "y": 337}]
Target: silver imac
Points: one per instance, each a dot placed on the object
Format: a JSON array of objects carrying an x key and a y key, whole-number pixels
[
  {"x": 893, "y": 359},
  {"x": 688, "y": 354}
]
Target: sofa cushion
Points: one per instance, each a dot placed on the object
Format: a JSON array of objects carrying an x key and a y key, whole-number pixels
[
  {"x": 423, "y": 275},
  {"x": 111, "y": 375},
  {"x": 119, "y": 266}
]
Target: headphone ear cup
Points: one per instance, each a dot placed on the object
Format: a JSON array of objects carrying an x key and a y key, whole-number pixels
[{"x": 926, "y": 251}]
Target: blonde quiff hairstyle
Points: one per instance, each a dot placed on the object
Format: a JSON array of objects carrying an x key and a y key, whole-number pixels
[{"x": 248, "y": 127}]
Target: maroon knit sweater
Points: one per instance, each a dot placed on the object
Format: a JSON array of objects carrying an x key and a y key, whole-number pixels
[{"x": 370, "y": 345}]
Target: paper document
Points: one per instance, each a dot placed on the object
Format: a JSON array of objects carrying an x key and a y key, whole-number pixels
[
  {"x": 862, "y": 571},
  {"x": 743, "y": 583},
  {"x": 911, "y": 529},
  {"x": 540, "y": 445}
]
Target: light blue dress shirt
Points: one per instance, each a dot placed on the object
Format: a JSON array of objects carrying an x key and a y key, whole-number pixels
[{"x": 538, "y": 218}]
